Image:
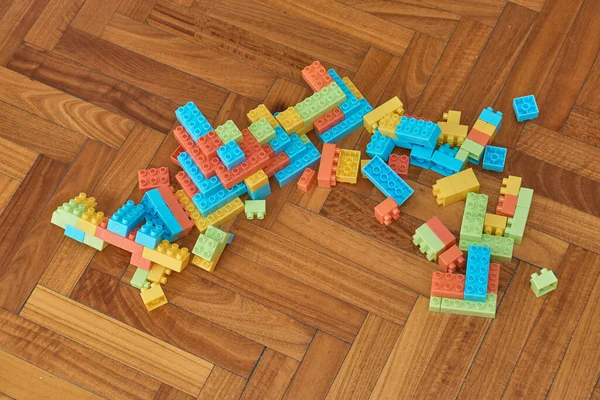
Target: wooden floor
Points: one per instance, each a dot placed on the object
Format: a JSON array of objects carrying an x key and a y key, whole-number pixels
[{"x": 317, "y": 300}]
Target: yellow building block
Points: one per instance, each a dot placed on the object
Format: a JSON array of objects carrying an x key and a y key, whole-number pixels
[
  {"x": 347, "y": 170},
  {"x": 393, "y": 105},
  {"x": 453, "y": 132},
  {"x": 219, "y": 217},
  {"x": 206, "y": 265},
  {"x": 153, "y": 297},
  {"x": 353, "y": 88},
  {"x": 290, "y": 120},
  {"x": 89, "y": 221},
  {"x": 511, "y": 185},
  {"x": 362, "y": 165},
  {"x": 256, "y": 180},
  {"x": 387, "y": 125},
  {"x": 494, "y": 224},
  {"x": 158, "y": 274},
  {"x": 261, "y": 111},
  {"x": 306, "y": 129},
  {"x": 169, "y": 255},
  {"x": 455, "y": 187},
  {"x": 89, "y": 202},
  {"x": 486, "y": 128}
]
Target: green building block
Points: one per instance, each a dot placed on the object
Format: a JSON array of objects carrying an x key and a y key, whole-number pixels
[
  {"x": 208, "y": 248},
  {"x": 320, "y": 103},
  {"x": 140, "y": 279},
  {"x": 255, "y": 208},
  {"x": 474, "y": 216},
  {"x": 435, "y": 303},
  {"x": 229, "y": 131},
  {"x": 515, "y": 226},
  {"x": 262, "y": 131},
  {"x": 543, "y": 283},
  {"x": 525, "y": 198},
  {"x": 94, "y": 242},
  {"x": 217, "y": 234},
  {"x": 486, "y": 309},
  {"x": 428, "y": 242},
  {"x": 475, "y": 149},
  {"x": 68, "y": 214},
  {"x": 304, "y": 139},
  {"x": 462, "y": 155},
  {"x": 501, "y": 247}
]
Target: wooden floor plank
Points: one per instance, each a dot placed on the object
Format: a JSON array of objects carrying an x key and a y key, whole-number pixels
[
  {"x": 318, "y": 369},
  {"x": 15, "y": 160},
  {"x": 15, "y": 23},
  {"x": 271, "y": 377},
  {"x": 590, "y": 95},
  {"x": 582, "y": 125},
  {"x": 485, "y": 11},
  {"x": 136, "y": 9},
  {"x": 284, "y": 94},
  {"x": 52, "y": 22},
  {"x": 94, "y": 15},
  {"x": 374, "y": 74},
  {"x": 222, "y": 385},
  {"x": 9, "y": 187},
  {"x": 535, "y": 5}
]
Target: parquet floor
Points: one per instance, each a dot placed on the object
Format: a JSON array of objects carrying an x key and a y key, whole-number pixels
[{"x": 317, "y": 300}]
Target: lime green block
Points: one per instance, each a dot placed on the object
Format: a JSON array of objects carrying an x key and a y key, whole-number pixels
[
  {"x": 262, "y": 131},
  {"x": 140, "y": 279},
  {"x": 207, "y": 248},
  {"x": 474, "y": 216},
  {"x": 501, "y": 247},
  {"x": 435, "y": 303},
  {"x": 304, "y": 139},
  {"x": 486, "y": 309},
  {"x": 68, "y": 214},
  {"x": 428, "y": 242},
  {"x": 94, "y": 242},
  {"x": 229, "y": 131},
  {"x": 543, "y": 282},
  {"x": 59, "y": 220},
  {"x": 255, "y": 208},
  {"x": 475, "y": 149},
  {"x": 462, "y": 156},
  {"x": 217, "y": 234},
  {"x": 525, "y": 198},
  {"x": 515, "y": 226},
  {"x": 320, "y": 103}
]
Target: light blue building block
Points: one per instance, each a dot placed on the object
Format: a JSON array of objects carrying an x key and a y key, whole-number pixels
[
  {"x": 494, "y": 158},
  {"x": 260, "y": 193},
  {"x": 351, "y": 122},
  {"x": 231, "y": 154},
  {"x": 402, "y": 143},
  {"x": 74, "y": 233},
  {"x": 193, "y": 121},
  {"x": 204, "y": 185},
  {"x": 280, "y": 141},
  {"x": 418, "y": 132},
  {"x": 387, "y": 181},
  {"x": 296, "y": 168},
  {"x": 380, "y": 146},
  {"x": 478, "y": 268},
  {"x": 126, "y": 218},
  {"x": 150, "y": 235},
  {"x": 525, "y": 108},
  {"x": 491, "y": 117},
  {"x": 421, "y": 156},
  {"x": 351, "y": 102},
  {"x": 445, "y": 164},
  {"x": 296, "y": 148},
  {"x": 230, "y": 238},
  {"x": 159, "y": 210},
  {"x": 446, "y": 149},
  {"x": 207, "y": 204}
]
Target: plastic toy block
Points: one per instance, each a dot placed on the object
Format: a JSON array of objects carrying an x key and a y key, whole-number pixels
[
  {"x": 494, "y": 158},
  {"x": 209, "y": 144},
  {"x": 479, "y": 137},
  {"x": 380, "y": 146},
  {"x": 351, "y": 122},
  {"x": 219, "y": 217},
  {"x": 351, "y": 102},
  {"x": 478, "y": 266},
  {"x": 207, "y": 248},
  {"x": 153, "y": 178},
  {"x": 68, "y": 214},
  {"x": 486, "y": 309},
  {"x": 126, "y": 218},
  {"x": 307, "y": 179},
  {"x": 140, "y": 262},
  {"x": 255, "y": 208},
  {"x": 74, "y": 233},
  {"x": 94, "y": 242},
  {"x": 88, "y": 202},
  {"x": 525, "y": 198},
  {"x": 295, "y": 169},
  {"x": 174, "y": 155},
  {"x": 441, "y": 232},
  {"x": 434, "y": 304},
  {"x": 444, "y": 164},
  {"x": 269, "y": 150},
  {"x": 362, "y": 165},
  {"x": 126, "y": 243},
  {"x": 140, "y": 279},
  {"x": 218, "y": 235},
  {"x": 462, "y": 156},
  {"x": 447, "y": 150},
  {"x": 304, "y": 131},
  {"x": 229, "y": 132},
  {"x": 387, "y": 211},
  {"x": 454, "y": 188},
  {"x": 449, "y": 286},
  {"x": 158, "y": 274},
  {"x": 168, "y": 255},
  {"x": 204, "y": 185},
  {"x": 296, "y": 148},
  {"x": 89, "y": 221},
  {"x": 475, "y": 150},
  {"x": 280, "y": 141},
  {"x": 515, "y": 226},
  {"x": 153, "y": 297},
  {"x": 206, "y": 265},
  {"x": 320, "y": 103},
  {"x": 494, "y": 224},
  {"x": 486, "y": 128},
  {"x": 474, "y": 217},
  {"x": 491, "y": 117},
  {"x": 393, "y": 105},
  {"x": 207, "y": 204},
  {"x": 230, "y": 238},
  {"x": 289, "y": 120},
  {"x": 256, "y": 159},
  {"x": 327, "y": 121},
  {"x": 543, "y": 283},
  {"x": 262, "y": 131},
  {"x": 453, "y": 133},
  {"x": 276, "y": 164},
  {"x": 171, "y": 214},
  {"x": 428, "y": 242},
  {"x": 525, "y": 108},
  {"x": 418, "y": 132},
  {"x": 493, "y": 278},
  {"x": 511, "y": 185},
  {"x": 348, "y": 165},
  {"x": 399, "y": 164},
  {"x": 149, "y": 235},
  {"x": 387, "y": 125},
  {"x": 304, "y": 139},
  {"x": 507, "y": 205},
  {"x": 421, "y": 156},
  {"x": 501, "y": 247},
  {"x": 256, "y": 180},
  {"x": 260, "y": 193},
  {"x": 261, "y": 111},
  {"x": 193, "y": 120},
  {"x": 452, "y": 260},
  {"x": 186, "y": 141},
  {"x": 316, "y": 76},
  {"x": 387, "y": 181},
  {"x": 352, "y": 88},
  {"x": 231, "y": 154},
  {"x": 186, "y": 183}
]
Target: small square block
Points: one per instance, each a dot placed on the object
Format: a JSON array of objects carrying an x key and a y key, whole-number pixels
[
  {"x": 494, "y": 158},
  {"x": 525, "y": 108}
]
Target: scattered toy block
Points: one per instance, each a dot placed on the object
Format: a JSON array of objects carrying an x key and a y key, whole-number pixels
[
  {"x": 478, "y": 265},
  {"x": 126, "y": 218},
  {"x": 380, "y": 146},
  {"x": 229, "y": 132},
  {"x": 140, "y": 279},
  {"x": 494, "y": 278},
  {"x": 447, "y": 285},
  {"x": 387, "y": 125},
  {"x": 494, "y": 158},
  {"x": 186, "y": 183},
  {"x": 306, "y": 180},
  {"x": 494, "y": 224},
  {"x": 421, "y": 156},
  {"x": 507, "y": 205},
  {"x": 209, "y": 144},
  {"x": 158, "y": 274},
  {"x": 485, "y": 309},
  {"x": 153, "y": 297},
  {"x": 309, "y": 158},
  {"x": 351, "y": 123},
  {"x": 393, "y": 105},
  {"x": 452, "y": 260},
  {"x": 289, "y": 120},
  {"x": 515, "y": 226},
  {"x": 441, "y": 232},
  {"x": 169, "y": 255},
  {"x": 418, "y": 132},
  {"x": 219, "y": 217},
  {"x": 262, "y": 131},
  {"x": 153, "y": 178},
  {"x": 491, "y": 117},
  {"x": 455, "y": 188},
  {"x": 453, "y": 133},
  {"x": 316, "y": 76},
  {"x": 347, "y": 169},
  {"x": 255, "y": 208},
  {"x": 231, "y": 154},
  {"x": 474, "y": 217},
  {"x": 208, "y": 204},
  {"x": 474, "y": 149},
  {"x": 511, "y": 185},
  {"x": 207, "y": 248},
  {"x": 387, "y": 181},
  {"x": 89, "y": 221},
  {"x": 525, "y": 108},
  {"x": 544, "y": 282},
  {"x": 296, "y": 149},
  {"x": 261, "y": 111},
  {"x": 445, "y": 164},
  {"x": 149, "y": 235},
  {"x": 204, "y": 185},
  {"x": 194, "y": 122},
  {"x": 126, "y": 243},
  {"x": 206, "y": 265},
  {"x": 328, "y": 120},
  {"x": 399, "y": 164},
  {"x": 387, "y": 211},
  {"x": 428, "y": 242},
  {"x": 256, "y": 180}
]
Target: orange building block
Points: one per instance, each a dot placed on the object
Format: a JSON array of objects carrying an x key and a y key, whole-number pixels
[
  {"x": 256, "y": 159},
  {"x": 126, "y": 243},
  {"x": 387, "y": 211},
  {"x": 316, "y": 76},
  {"x": 494, "y": 278},
  {"x": 153, "y": 178},
  {"x": 176, "y": 153},
  {"x": 507, "y": 205},
  {"x": 208, "y": 165},
  {"x": 452, "y": 260},
  {"x": 276, "y": 164},
  {"x": 329, "y": 120},
  {"x": 209, "y": 143},
  {"x": 306, "y": 180},
  {"x": 140, "y": 262},
  {"x": 441, "y": 232},
  {"x": 399, "y": 163},
  {"x": 269, "y": 150},
  {"x": 182, "y": 217},
  {"x": 450, "y": 286},
  {"x": 330, "y": 157},
  {"x": 479, "y": 137},
  {"x": 186, "y": 184}
]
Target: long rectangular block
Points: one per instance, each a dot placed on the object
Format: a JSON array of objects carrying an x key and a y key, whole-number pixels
[
  {"x": 501, "y": 247},
  {"x": 444, "y": 164},
  {"x": 474, "y": 217},
  {"x": 455, "y": 187},
  {"x": 418, "y": 132},
  {"x": 193, "y": 120},
  {"x": 486, "y": 309},
  {"x": 328, "y": 166},
  {"x": 320, "y": 103},
  {"x": 351, "y": 123},
  {"x": 387, "y": 181},
  {"x": 295, "y": 169},
  {"x": 393, "y": 105},
  {"x": 217, "y": 218},
  {"x": 168, "y": 255},
  {"x": 211, "y": 203},
  {"x": 478, "y": 267}
]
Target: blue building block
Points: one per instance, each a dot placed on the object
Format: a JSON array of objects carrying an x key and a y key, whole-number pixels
[
  {"x": 150, "y": 235},
  {"x": 351, "y": 102},
  {"x": 421, "y": 156},
  {"x": 208, "y": 204},
  {"x": 445, "y": 164},
  {"x": 478, "y": 268},
  {"x": 418, "y": 132},
  {"x": 446, "y": 149},
  {"x": 351, "y": 122},
  {"x": 230, "y": 238},
  {"x": 386, "y": 180},
  {"x": 401, "y": 143},
  {"x": 204, "y": 185},
  {"x": 296, "y": 168},
  {"x": 491, "y": 117},
  {"x": 380, "y": 146},
  {"x": 154, "y": 202},
  {"x": 74, "y": 233},
  {"x": 260, "y": 193},
  {"x": 231, "y": 154},
  {"x": 280, "y": 141},
  {"x": 494, "y": 158},
  {"x": 126, "y": 218},
  {"x": 296, "y": 148},
  {"x": 193, "y": 121},
  {"x": 526, "y": 108}
]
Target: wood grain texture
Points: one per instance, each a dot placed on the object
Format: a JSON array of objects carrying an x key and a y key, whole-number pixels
[
  {"x": 15, "y": 23},
  {"x": 52, "y": 22},
  {"x": 535, "y": 5},
  {"x": 374, "y": 74},
  {"x": 9, "y": 187},
  {"x": 222, "y": 384},
  {"x": 271, "y": 377},
  {"x": 15, "y": 160},
  {"x": 589, "y": 97},
  {"x": 94, "y": 15},
  {"x": 582, "y": 125},
  {"x": 136, "y": 9},
  {"x": 484, "y": 11}
]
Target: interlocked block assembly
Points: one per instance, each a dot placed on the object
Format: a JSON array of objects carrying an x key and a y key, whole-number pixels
[
  {"x": 276, "y": 164},
  {"x": 193, "y": 120},
  {"x": 89, "y": 221},
  {"x": 309, "y": 159},
  {"x": 387, "y": 125},
  {"x": 485, "y": 309},
  {"x": 351, "y": 122},
  {"x": 445, "y": 164},
  {"x": 296, "y": 148},
  {"x": 348, "y": 165},
  {"x": 153, "y": 297},
  {"x": 474, "y": 217},
  {"x": 153, "y": 178},
  {"x": 418, "y": 132},
  {"x": 126, "y": 243},
  {"x": 421, "y": 156},
  {"x": 327, "y": 121},
  {"x": 280, "y": 141},
  {"x": 525, "y": 108},
  {"x": 399, "y": 164},
  {"x": 289, "y": 120},
  {"x": 478, "y": 266},
  {"x": 447, "y": 150},
  {"x": 174, "y": 155},
  {"x": 126, "y": 218},
  {"x": 168, "y": 255},
  {"x": 207, "y": 248},
  {"x": 454, "y": 188},
  {"x": 453, "y": 133},
  {"x": 447, "y": 285},
  {"x": 186, "y": 183},
  {"x": 158, "y": 274},
  {"x": 316, "y": 76},
  {"x": 393, "y": 105},
  {"x": 428, "y": 242},
  {"x": 501, "y": 247},
  {"x": 353, "y": 88},
  {"x": 138, "y": 261},
  {"x": 256, "y": 180},
  {"x": 255, "y": 208},
  {"x": 262, "y": 131},
  {"x": 507, "y": 205},
  {"x": 515, "y": 226},
  {"x": 256, "y": 159},
  {"x": 491, "y": 117},
  {"x": 387, "y": 181},
  {"x": 474, "y": 149},
  {"x": 494, "y": 158},
  {"x": 94, "y": 242},
  {"x": 219, "y": 217},
  {"x": 494, "y": 224},
  {"x": 452, "y": 260},
  {"x": 260, "y": 193},
  {"x": 479, "y": 137},
  {"x": 261, "y": 111},
  {"x": 351, "y": 102},
  {"x": 202, "y": 161},
  {"x": 387, "y": 211},
  {"x": 306, "y": 180},
  {"x": 320, "y": 103},
  {"x": 139, "y": 279},
  {"x": 229, "y": 131},
  {"x": 208, "y": 204},
  {"x": 543, "y": 283},
  {"x": 203, "y": 184},
  {"x": 511, "y": 185},
  {"x": 231, "y": 154},
  {"x": 74, "y": 233},
  {"x": 209, "y": 144},
  {"x": 149, "y": 235},
  {"x": 441, "y": 232},
  {"x": 494, "y": 278},
  {"x": 380, "y": 146}
]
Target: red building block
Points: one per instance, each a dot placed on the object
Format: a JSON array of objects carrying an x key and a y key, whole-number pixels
[
  {"x": 182, "y": 217},
  {"x": 451, "y": 286},
  {"x": 452, "y": 260},
  {"x": 328, "y": 120},
  {"x": 399, "y": 163},
  {"x": 269, "y": 150},
  {"x": 306, "y": 180},
  {"x": 387, "y": 211},
  {"x": 494, "y": 278},
  {"x": 507, "y": 205},
  {"x": 316, "y": 76},
  {"x": 186, "y": 184},
  {"x": 140, "y": 262},
  {"x": 276, "y": 164},
  {"x": 256, "y": 158},
  {"x": 209, "y": 143},
  {"x": 153, "y": 178},
  {"x": 479, "y": 137},
  {"x": 441, "y": 232},
  {"x": 126, "y": 243},
  {"x": 176, "y": 153},
  {"x": 330, "y": 156},
  {"x": 208, "y": 165}
]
